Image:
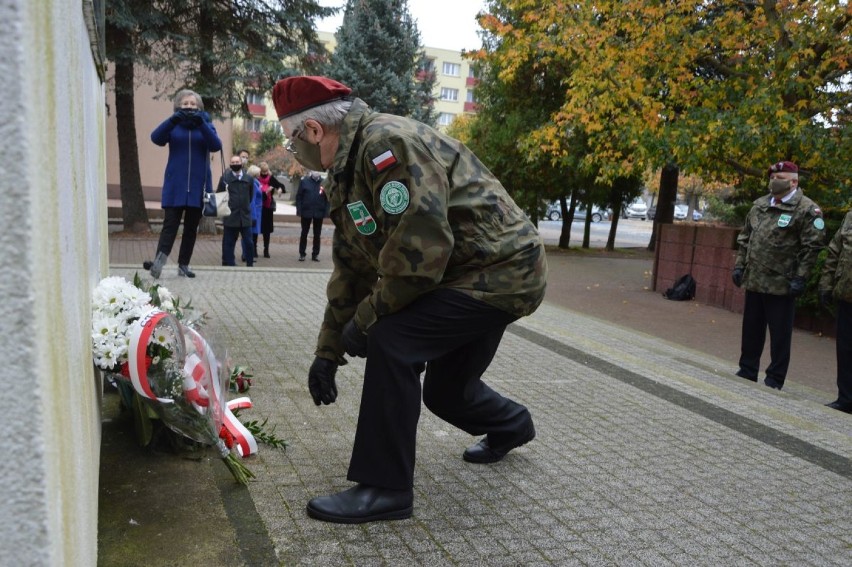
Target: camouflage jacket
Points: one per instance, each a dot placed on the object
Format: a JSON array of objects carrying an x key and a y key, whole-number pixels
[
  {"x": 779, "y": 242},
  {"x": 414, "y": 211},
  {"x": 837, "y": 271}
]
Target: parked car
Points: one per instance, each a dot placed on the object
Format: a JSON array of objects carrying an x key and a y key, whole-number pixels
[
  {"x": 697, "y": 215},
  {"x": 680, "y": 212},
  {"x": 635, "y": 210},
  {"x": 652, "y": 212},
  {"x": 554, "y": 212}
]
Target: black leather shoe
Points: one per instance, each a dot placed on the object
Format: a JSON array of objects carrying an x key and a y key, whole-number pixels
[
  {"x": 361, "y": 504},
  {"x": 147, "y": 264},
  {"x": 315, "y": 258},
  {"x": 845, "y": 407},
  {"x": 185, "y": 271},
  {"x": 484, "y": 452},
  {"x": 773, "y": 383},
  {"x": 266, "y": 254},
  {"x": 741, "y": 373},
  {"x": 301, "y": 258}
]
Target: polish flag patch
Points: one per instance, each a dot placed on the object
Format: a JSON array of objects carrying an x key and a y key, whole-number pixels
[{"x": 384, "y": 161}]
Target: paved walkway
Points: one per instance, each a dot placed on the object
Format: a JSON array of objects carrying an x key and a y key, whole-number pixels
[{"x": 648, "y": 452}]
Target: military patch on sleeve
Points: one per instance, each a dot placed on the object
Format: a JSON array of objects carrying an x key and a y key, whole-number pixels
[
  {"x": 394, "y": 197},
  {"x": 819, "y": 224},
  {"x": 364, "y": 222},
  {"x": 383, "y": 161}
]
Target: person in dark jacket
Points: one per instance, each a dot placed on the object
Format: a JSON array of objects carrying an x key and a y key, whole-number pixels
[
  {"x": 312, "y": 207},
  {"x": 241, "y": 192},
  {"x": 191, "y": 137}
]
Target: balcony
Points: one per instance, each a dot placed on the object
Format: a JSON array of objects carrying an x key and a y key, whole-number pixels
[
  {"x": 257, "y": 109},
  {"x": 471, "y": 82},
  {"x": 471, "y": 107}
]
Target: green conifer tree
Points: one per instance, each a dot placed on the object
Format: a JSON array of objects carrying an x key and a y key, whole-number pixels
[{"x": 377, "y": 55}]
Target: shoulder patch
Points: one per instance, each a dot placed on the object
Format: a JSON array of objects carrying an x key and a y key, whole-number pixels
[
  {"x": 394, "y": 197},
  {"x": 383, "y": 161},
  {"x": 819, "y": 224}
]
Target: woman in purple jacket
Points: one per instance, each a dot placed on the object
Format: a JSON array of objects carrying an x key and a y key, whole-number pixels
[{"x": 191, "y": 137}]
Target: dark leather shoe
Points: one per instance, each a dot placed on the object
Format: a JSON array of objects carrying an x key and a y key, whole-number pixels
[
  {"x": 185, "y": 271},
  {"x": 301, "y": 258},
  {"x": 485, "y": 452},
  {"x": 315, "y": 258},
  {"x": 845, "y": 407},
  {"x": 147, "y": 264},
  {"x": 742, "y": 374},
  {"x": 361, "y": 504},
  {"x": 773, "y": 383}
]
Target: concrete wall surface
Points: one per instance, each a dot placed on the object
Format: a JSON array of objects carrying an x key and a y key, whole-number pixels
[{"x": 55, "y": 252}]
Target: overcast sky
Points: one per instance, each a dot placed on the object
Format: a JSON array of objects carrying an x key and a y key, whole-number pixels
[{"x": 447, "y": 24}]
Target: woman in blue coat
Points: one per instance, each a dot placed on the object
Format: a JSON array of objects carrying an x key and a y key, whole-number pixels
[{"x": 191, "y": 137}]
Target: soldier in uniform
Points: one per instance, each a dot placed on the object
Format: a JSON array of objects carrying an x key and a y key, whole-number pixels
[
  {"x": 782, "y": 237},
  {"x": 836, "y": 283},
  {"x": 432, "y": 260}
]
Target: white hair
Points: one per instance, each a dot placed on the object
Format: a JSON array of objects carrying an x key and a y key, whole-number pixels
[{"x": 330, "y": 115}]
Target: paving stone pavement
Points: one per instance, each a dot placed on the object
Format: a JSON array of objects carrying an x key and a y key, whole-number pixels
[{"x": 646, "y": 453}]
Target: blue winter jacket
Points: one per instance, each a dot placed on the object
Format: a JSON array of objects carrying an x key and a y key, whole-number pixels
[
  {"x": 188, "y": 172},
  {"x": 256, "y": 208}
]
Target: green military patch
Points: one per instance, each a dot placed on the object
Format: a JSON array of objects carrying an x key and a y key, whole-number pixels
[
  {"x": 394, "y": 197},
  {"x": 784, "y": 220},
  {"x": 364, "y": 221},
  {"x": 819, "y": 224}
]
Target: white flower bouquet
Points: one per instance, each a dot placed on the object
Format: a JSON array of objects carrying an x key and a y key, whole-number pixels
[{"x": 146, "y": 339}]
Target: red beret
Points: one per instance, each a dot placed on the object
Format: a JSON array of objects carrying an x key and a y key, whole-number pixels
[
  {"x": 295, "y": 94},
  {"x": 783, "y": 166}
]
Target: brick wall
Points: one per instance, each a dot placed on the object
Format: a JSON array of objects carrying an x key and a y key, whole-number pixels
[{"x": 706, "y": 252}]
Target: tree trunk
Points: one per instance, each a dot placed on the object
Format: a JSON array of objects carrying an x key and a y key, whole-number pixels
[
  {"x": 208, "y": 224},
  {"x": 665, "y": 201},
  {"x": 132, "y": 199},
  {"x": 567, "y": 219}
]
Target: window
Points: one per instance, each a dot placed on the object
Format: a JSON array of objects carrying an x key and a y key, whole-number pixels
[
  {"x": 254, "y": 98},
  {"x": 445, "y": 118},
  {"x": 471, "y": 73},
  {"x": 452, "y": 69},
  {"x": 470, "y": 97},
  {"x": 254, "y": 125},
  {"x": 449, "y": 94}
]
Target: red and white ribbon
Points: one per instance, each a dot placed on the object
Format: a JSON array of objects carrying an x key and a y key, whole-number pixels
[
  {"x": 136, "y": 359},
  {"x": 201, "y": 383}
]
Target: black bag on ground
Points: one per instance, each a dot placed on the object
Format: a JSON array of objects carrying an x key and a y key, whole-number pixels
[{"x": 682, "y": 290}]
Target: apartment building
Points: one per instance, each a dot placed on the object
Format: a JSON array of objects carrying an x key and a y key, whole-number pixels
[{"x": 454, "y": 82}]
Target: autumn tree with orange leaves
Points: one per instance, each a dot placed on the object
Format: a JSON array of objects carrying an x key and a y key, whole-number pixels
[{"x": 716, "y": 88}]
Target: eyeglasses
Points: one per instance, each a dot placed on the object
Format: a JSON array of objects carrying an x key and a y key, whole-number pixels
[{"x": 290, "y": 147}]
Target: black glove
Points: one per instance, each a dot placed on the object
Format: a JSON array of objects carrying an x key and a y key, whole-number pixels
[
  {"x": 321, "y": 381},
  {"x": 196, "y": 119},
  {"x": 354, "y": 340},
  {"x": 826, "y": 298},
  {"x": 737, "y": 276},
  {"x": 176, "y": 117},
  {"x": 797, "y": 286}
]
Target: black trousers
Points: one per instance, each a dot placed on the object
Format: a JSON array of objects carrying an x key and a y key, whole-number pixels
[
  {"x": 457, "y": 336},
  {"x": 775, "y": 312},
  {"x": 171, "y": 222},
  {"x": 307, "y": 222},
  {"x": 844, "y": 352}
]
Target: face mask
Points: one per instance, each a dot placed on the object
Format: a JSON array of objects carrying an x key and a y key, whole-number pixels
[
  {"x": 779, "y": 187},
  {"x": 190, "y": 111},
  {"x": 236, "y": 168},
  {"x": 307, "y": 154}
]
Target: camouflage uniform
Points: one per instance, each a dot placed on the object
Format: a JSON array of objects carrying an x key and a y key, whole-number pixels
[
  {"x": 837, "y": 279},
  {"x": 779, "y": 242},
  {"x": 433, "y": 259},
  {"x": 459, "y": 230}
]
